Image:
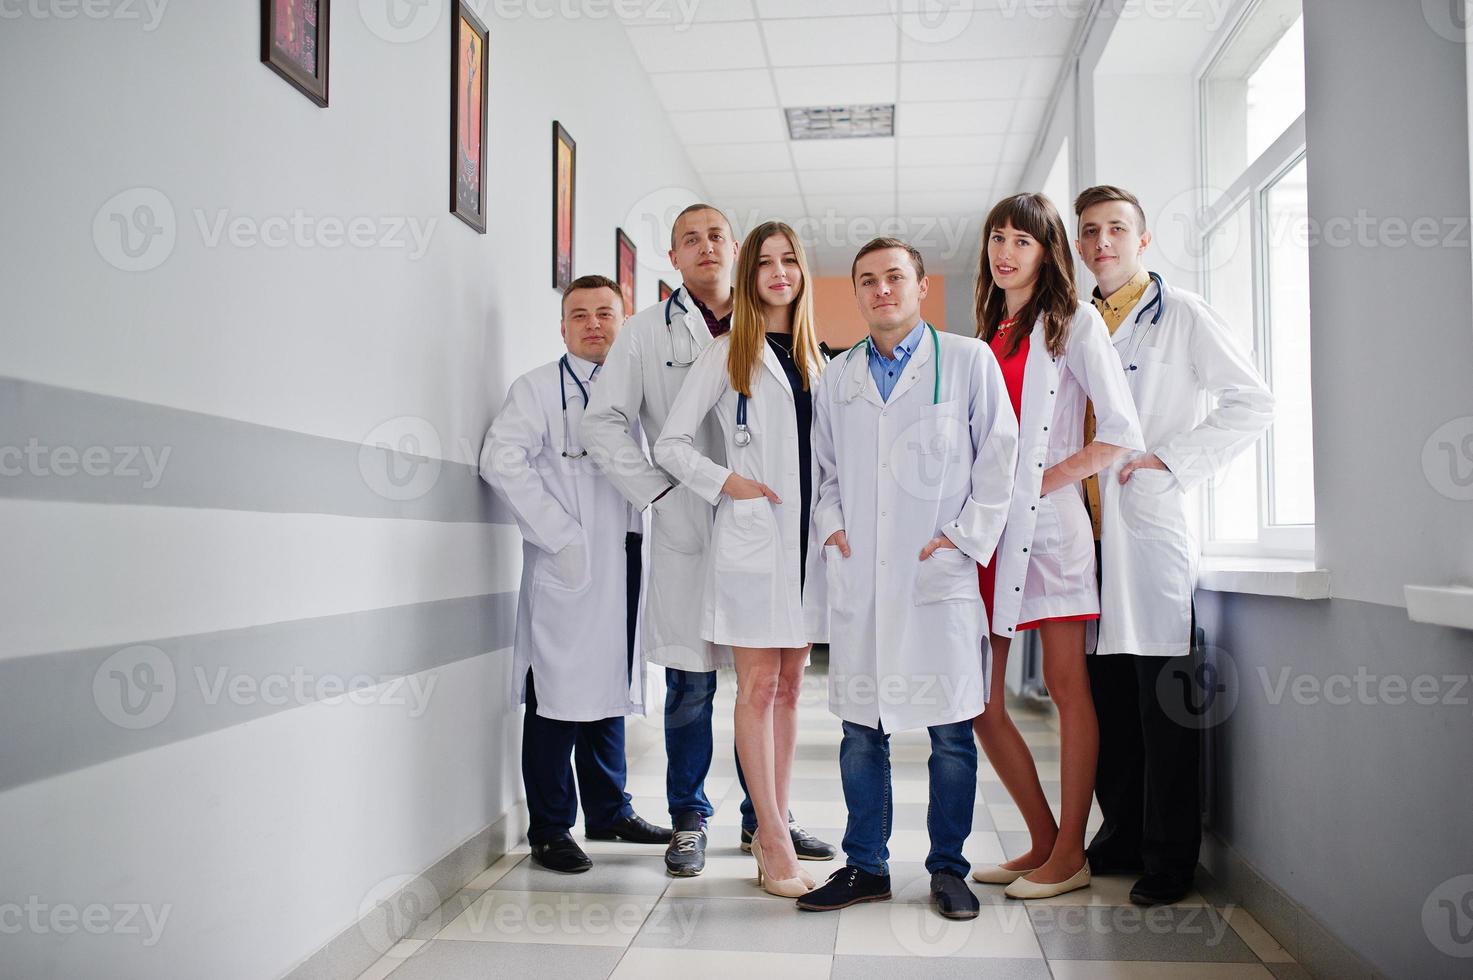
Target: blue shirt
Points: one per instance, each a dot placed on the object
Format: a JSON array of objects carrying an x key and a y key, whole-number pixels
[{"x": 887, "y": 370}]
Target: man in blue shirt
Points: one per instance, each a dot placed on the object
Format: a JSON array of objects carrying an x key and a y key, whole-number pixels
[{"x": 885, "y": 370}]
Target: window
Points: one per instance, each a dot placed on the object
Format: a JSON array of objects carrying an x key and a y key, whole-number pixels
[{"x": 1254, "y": 237}]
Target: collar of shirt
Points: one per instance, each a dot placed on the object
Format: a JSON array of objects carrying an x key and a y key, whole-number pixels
[
  {"x": 904, "y": 349},
  {"x": 1118, "y": 305},
  {"x": 716, "y": 326},
  {"x": 584, "y": 371}
]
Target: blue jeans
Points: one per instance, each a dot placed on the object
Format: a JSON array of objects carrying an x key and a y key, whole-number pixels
[
  {"x": 689, "y": 697},
  {"x": 864, "y": 765}
]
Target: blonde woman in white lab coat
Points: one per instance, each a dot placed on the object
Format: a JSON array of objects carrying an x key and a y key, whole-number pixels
[
  {"x": 1055, "y": 355},
  {"x": 757, "y": 380}
]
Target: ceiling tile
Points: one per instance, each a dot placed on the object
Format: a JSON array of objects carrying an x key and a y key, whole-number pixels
[
  {"x": 708, "y": 90},
  {"x": 860, "y": 180},
  {"x": 1028, "y": 115},
  {"x": 732, "y": 126},
  {"x": 971, "y": 179},
  {"x": 1021, "y": 30},
  {"x": 747, "y": 212},
  {"x": 973, "y": 118},
  {"x": 681, "y": 14},
  {"x": 851, "y": 205},
  {"x": 951, "y": 81},
  {"x": 843, "y": 154},
  {"x": 1017, "y": 148},
  {"x": 845, "y": 85},
  {"x": 698, "y": 47},
  {"x": 927, "y": 151},
  {"x": 730, "y": 158},
  {"x": 777, "y": 9},
  {"x": 830, "y": 40},
  {"x": 752, "y": 184}
]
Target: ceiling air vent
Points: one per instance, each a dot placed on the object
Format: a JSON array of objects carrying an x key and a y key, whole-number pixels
[{"x": 841, "y": 122}]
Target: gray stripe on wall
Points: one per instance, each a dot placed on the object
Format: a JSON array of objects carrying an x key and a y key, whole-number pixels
[
  {"x": 63, "y": 711},
  {"x": 64, "y": 444}
]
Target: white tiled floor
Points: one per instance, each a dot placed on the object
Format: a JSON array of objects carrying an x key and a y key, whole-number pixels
[{"x": 627, "y": 919}]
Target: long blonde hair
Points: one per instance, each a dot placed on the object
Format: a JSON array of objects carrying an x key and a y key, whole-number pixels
[{"x": 749, "y": 325}]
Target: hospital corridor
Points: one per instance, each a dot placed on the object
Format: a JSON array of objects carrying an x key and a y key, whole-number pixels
[{"x": 829, "y": 489}]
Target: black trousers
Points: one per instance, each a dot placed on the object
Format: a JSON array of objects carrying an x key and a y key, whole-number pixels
[
  {"x": 552, "y": 750},
  {"x": 1149, "y": 766}
]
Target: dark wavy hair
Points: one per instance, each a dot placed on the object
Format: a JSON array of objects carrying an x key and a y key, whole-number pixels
[{"x": 1055, "y": 299}]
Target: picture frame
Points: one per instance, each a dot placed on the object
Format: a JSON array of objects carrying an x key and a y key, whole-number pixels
[
  {"x": 564, "y": 198},
  {"x": 626, "y": 266},
  {"x": 295, "y": 36},
  {"x": 469, "y": 91},
  {"x": 666, "y": 290}
]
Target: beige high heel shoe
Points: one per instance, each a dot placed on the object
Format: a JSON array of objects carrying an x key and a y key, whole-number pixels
[{"x": 783, "y": 888}]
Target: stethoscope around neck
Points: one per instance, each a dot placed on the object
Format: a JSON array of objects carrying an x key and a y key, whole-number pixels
[
  {"x": 671, "y": 305},
  {"x": 564, "y": 367},
  {"x": 936, "y": 343},
  {"x": 1158, "y": 303}
]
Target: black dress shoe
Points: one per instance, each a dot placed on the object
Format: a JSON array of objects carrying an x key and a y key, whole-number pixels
[
  {"x": 686, "y": 855},
  {"x": 951, "y": 896},
  {"x": 634, "y": 829},
  {"x": 1160, "y": 889},
  {"x": 807, "y": 847},
  {"x": 561, "y": 854},
  {"x": 845, "y": 887}
]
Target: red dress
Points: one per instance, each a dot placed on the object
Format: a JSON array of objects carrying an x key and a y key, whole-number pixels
[{"x": 1013, "y": 367}]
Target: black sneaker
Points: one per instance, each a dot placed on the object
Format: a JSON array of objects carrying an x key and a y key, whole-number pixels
[
  {"x": 1160, "y": 889},
  {"x": 686, "y": 855},
  {"x": 845, "y": 887},
  {"x": 807, "y": 847},
  {"x": 634, "y": 829},
  {"x": 951, "y": 896},
  {"x": 561, "y": 854}
]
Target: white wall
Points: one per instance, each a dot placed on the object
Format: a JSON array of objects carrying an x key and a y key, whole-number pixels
[{"x": 263, "y": 839}]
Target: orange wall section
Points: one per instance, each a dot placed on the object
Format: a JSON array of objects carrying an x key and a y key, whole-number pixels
[{"x": 839, "y": 322}]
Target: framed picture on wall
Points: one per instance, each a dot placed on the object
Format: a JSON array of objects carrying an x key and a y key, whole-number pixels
[
  {"x": 469, "y": 59},
  {"x": 564, "y": 185},
  {"x": 625, "y": 265},
  {"x": 294, "y": 43},
  {"x": 665, "y": 290}
]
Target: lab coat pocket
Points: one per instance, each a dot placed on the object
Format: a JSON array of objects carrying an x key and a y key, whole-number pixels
[
  {"x": 930, "y": 457},
  {"x": 949, "y": 575},
  {"x": 568, "y": 569},
  {"x": 1152, "y": 508},
  {"x": 833, "y": 577},
  {"x": 745, "y": 537},
  {"x": 676, "y": 521}
]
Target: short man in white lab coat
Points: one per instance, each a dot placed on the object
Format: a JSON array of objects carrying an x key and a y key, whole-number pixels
[
  {"x": 916, "y": 443},
  {"x": 574, "y": 655},
  {"x": 1176, "y": 353},
  {"x": 646, "y": 368}
]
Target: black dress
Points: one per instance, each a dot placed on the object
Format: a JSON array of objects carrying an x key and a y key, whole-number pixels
[{"x": 782, "y": 345}]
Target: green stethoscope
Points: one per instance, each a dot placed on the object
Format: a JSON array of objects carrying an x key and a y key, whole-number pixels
[{"x": 936, "y": 342}]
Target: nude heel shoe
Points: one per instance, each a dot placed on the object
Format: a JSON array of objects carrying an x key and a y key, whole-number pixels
[{"x": 784, "y": 888}]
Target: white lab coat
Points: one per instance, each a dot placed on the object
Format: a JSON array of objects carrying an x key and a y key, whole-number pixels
[
  {"x": 637, "y": 387},
  {"x": 573, "y": 606},
  {"x": 1046, "y": 560},
  {"x": 753, "y": 595},
  {"x": 905, "y": 635},
  {"x": 1148, "y": 551}
]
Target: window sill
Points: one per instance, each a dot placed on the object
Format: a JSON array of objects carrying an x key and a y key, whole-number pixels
[
  {"x": 1446, "y": 605},
  {"x": 1288, "y": 578}
]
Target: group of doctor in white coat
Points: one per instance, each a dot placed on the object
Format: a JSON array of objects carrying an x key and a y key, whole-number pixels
[{"x": 923, "y": 464}]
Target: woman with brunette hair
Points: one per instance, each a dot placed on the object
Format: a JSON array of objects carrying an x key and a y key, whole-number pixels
[
  {"x": 1055, "y": 355},
  {"x": 756, "y": 379}
]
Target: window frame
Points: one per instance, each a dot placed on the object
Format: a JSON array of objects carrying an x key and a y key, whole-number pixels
[{"x": 1251, "y": 189}]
